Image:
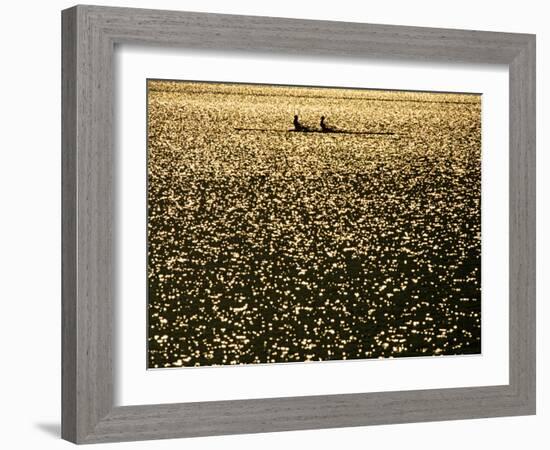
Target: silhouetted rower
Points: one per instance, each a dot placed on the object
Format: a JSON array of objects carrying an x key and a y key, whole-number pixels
[
  {"x": 297, "y": 125},
  {"x": 324, "y": 126}
]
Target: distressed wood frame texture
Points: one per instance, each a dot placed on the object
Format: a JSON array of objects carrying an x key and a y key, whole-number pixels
[{"x": 89, "y": 37}]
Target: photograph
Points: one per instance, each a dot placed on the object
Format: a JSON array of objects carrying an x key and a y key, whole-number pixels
[{"x": 300, "y": 223}]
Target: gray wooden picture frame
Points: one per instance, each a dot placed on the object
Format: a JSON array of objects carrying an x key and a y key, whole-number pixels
[{"x": 89, "y": 37}]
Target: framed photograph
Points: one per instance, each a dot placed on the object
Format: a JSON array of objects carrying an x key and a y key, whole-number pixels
[{"x": 279, "y": 224}]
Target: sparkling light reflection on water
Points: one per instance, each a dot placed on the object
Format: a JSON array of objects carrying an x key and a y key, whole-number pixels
[{"x": 266, "y": 245}]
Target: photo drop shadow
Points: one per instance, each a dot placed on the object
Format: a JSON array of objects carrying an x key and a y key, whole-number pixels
[{"x": 51, "y": 428}]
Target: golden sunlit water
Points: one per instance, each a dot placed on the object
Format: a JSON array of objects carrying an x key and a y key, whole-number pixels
[{"x": 267, "y": 244}]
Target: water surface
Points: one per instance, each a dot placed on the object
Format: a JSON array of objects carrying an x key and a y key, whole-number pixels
[{"x": 267, "y": 245}]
